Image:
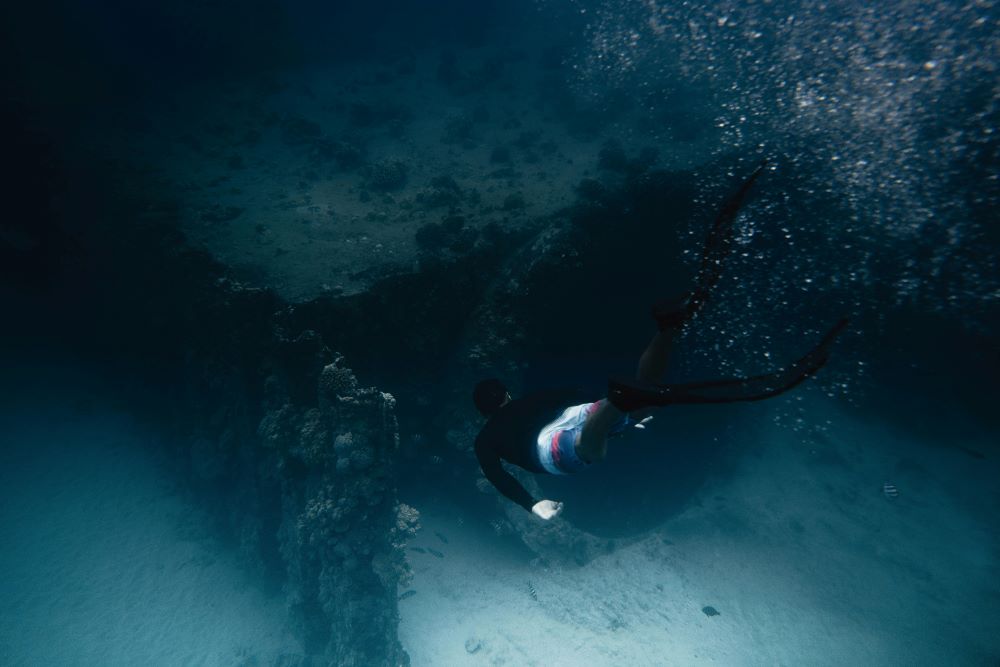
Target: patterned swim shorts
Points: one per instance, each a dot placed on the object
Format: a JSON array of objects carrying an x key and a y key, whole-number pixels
[{"x": 557, "y": 440}]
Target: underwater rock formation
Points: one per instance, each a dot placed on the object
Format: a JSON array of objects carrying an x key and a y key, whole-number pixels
[
  {"x": 386, "y": 174},
  {"x": 298, "y": 453}
]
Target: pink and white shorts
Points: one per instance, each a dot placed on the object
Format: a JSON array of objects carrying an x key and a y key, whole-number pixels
[{"x": 557, "y": 439}]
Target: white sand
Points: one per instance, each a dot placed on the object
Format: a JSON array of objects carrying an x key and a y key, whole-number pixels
[
  {"x": 805, "y": 560},
  {"x": 101, "y": 564}
]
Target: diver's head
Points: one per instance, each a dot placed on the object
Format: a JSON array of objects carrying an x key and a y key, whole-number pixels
[{"x": 489, "y": 395}]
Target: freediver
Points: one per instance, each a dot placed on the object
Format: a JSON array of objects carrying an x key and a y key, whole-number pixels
[{"x": 539, "y": 433}]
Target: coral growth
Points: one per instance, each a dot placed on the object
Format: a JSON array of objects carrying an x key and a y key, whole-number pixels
[
  {"x": 386, "y": 174},
  {"x": 306, "y": 452},
  {"x": 442, "y": 191}
]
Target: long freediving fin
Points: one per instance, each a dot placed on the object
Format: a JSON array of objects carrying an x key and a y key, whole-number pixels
[
  {"x": 719, "y": 241},
  {"x": 629, "y": 394}
]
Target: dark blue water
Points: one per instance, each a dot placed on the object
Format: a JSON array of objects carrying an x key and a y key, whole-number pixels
[{"x": 207, "y": 203}]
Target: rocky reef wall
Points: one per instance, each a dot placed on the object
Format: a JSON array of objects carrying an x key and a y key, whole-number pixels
[
  {"x": 268, "y": 430},
  {"x": 298, "y": 457}
]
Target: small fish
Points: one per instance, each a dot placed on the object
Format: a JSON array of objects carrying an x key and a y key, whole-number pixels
[
  {"x": 710, "y": 611},
  {"x": 532, "y": 592},
  {"x": 441, "y": 537},
  {"x": 408, "y": 594},
  {"x": 435, "y": 552},
  {"x": 419, "y": 550},
  {"x": 889, "y": 490}
]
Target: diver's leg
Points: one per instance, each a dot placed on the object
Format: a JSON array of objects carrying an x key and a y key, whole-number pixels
[
  {"x": 653, "y": 362},
  {"x": 593, "y": 441},
  {"x": 653, "y": 365},
  {"x": 670, "y": 315},
  {"x": 592, "y": 444}
]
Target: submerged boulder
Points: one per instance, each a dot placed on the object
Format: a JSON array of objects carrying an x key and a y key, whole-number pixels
[{"x": 309, "y": 495}]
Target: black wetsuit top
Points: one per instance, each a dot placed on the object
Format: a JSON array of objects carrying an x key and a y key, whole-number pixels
[{"x": 511, "y": 434}]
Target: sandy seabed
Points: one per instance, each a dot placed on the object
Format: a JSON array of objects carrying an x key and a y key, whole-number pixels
[
  {"x": 804, "y": 558},
  {"x": 797, "y": 549},
  {"x": 104, "y": 564}
]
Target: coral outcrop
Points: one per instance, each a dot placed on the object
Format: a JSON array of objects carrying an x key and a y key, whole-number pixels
[
  {"x": 386, "y": 174},
  {"x": 301, "y": 454}
]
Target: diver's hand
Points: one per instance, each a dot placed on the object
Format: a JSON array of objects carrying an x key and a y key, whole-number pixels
[
  {"x": 546, "y": 509},
  {"x": 642, "y": 423}
]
